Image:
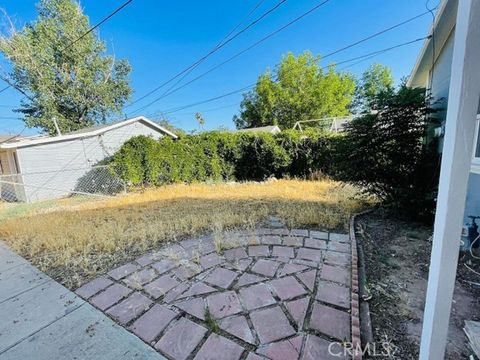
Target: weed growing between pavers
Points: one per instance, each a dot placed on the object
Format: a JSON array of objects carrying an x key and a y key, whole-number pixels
[{"x": 211, "y": 322}]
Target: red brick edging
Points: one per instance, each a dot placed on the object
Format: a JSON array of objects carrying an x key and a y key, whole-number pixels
[{"x": 356, "y": 340}]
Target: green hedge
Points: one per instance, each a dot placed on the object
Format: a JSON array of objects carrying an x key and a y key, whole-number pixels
[{"x": 220, "y": 156}]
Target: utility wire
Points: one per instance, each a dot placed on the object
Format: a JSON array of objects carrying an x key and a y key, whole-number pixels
[
  {"x": 257, "y": 5},
  {"x": 376, "y": 34},
  {"x": 364, "y": 57},
  {"x": 211, "y": 52},
  {"x": 269, "y": 36},
  {"x": 290, "y": 23}
]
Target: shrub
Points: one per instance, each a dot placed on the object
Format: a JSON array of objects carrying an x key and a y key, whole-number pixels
[
  {"x": 221, "y": 156},
  {"x": 388, "y": 154}
]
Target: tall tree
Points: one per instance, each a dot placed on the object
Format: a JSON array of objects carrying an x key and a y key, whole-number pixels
[
  {"x": 298, "y": 89},
  {"x": 374, "y": 88},
  {"x": 62, "y": 75}
]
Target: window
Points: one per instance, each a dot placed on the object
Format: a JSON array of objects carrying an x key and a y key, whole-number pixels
[{"x": 476, "y": 149}]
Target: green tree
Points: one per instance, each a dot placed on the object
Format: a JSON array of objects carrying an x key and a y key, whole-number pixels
[
  {"x": 72, "y": 81},
  {"x": 298, "y": 89},
  {"x": 374, "y": 88}
]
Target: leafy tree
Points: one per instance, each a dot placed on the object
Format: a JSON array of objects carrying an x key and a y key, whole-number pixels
[
  {"x": 298, "y": 89},
  {"x": 386, "y": 153},
  {"x": 170, "y": 127},
  {"x": 72, "y": 81},
  {"x": 375, "y": 87}
]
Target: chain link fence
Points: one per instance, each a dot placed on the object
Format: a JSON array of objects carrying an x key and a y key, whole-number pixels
[{"x": 31, "y": 187}]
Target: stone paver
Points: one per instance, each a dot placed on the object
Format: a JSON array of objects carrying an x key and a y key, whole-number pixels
[
  {"x": 210, "y": 260},
  {"x": 153, "y": 322},
  {"x": 310, "y": 254},
  {"x": 247, "y": 279},
  {"x": 195, "y": 307},
  {"x": 291, "y": 269},
  {"x": 123, "y": 271},
  {"x": 298, "y": 310},
  {"x": 238, "y": 326},
  {"x": 258, "y": 250},
  {"x": 160, "y": 286},
  {"x": 337, "y": 274},
  {"x": 271, "y": 324},
  {"x": 256, "y": 296},
  {"x": 224, "y": 304},
  {"x": 130, "y": 308},
  {"x": 198, "y": 289},
  {"x": 181, "y": 339},
  {"x": 333, "y": 294},
  {"x": 287, "y": 288},
  {"x": 221, "y": 277},
  {"x": 266, "y": 267},
  {"x": 110, "y": 296},
  {"x": 268, "y": 296},
  {"x": 317, "y": 348},
  {"x": 308, "y": 278},
  {"x": 283, "y": 350},
  {"x": 219, "y": 348},
  {"x": 316, "y": 243},
  {"x": 283, "y": 251},
  {"x": 93, "y": 287},
  {"x": 137, "y": 279},
  {"x": 331, "y": 322}
]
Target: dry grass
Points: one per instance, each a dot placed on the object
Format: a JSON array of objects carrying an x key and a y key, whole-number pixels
[{"x": 77, "y": 240}]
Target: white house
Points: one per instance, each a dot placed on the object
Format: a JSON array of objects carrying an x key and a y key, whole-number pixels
[
  {"x": 449, "y": 66},
  {"x": 46, "y": 167},
  {"x": 436, "y": 75}
]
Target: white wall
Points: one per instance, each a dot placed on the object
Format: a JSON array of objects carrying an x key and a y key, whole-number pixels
[
  {"x": 440, "y": 77},
  {"x": 52, "y": 170}
]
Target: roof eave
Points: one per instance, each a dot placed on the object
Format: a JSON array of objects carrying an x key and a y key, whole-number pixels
[{"x": 87, "y": 134}]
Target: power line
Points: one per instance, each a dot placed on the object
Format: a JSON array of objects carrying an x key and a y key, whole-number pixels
[
  {"x": 211, "y": 52},
  {"x": 271, "y": 35},
  {"x": 290, "y": 23},
  {"x": 376, "y": 34},
  {"x": 257, "y": 5},
  {"x": 364, "y": 57},
  {"x": 104, "y": 20}
]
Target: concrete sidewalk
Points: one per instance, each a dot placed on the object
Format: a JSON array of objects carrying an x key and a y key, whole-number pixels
[{"x": 41, "y": 319}]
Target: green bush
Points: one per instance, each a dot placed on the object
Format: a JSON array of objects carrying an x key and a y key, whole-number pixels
[
  {"x": 390, "y": 155},
  {"x": 220, "y": 156}
]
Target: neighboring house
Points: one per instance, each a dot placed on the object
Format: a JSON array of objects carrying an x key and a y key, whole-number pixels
[
  {"x": 46, "y": 167},
  {"x": 433, "y": 71},
  {"x": 272, "y": 129}
]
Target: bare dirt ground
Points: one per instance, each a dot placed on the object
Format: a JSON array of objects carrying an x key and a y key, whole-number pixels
[{"x": 397, "y": 255}]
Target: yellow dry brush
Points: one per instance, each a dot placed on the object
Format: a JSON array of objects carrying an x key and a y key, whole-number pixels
[{"x": 79, "y": 239}]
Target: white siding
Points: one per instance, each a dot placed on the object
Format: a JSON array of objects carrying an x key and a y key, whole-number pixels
[
  {"x": 52, "y": 170},
  {"x": 440, "y": 78}
]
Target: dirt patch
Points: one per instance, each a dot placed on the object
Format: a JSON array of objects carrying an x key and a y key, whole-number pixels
[{"x": 397, "y": 255}]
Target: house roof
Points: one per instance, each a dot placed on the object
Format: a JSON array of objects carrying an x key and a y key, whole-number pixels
[
  {"x": 8, "y": 137},
  {"x": 271, "y": 129},
  {"x": 441, "y": 29},
  {"x": 83, "y": 133}
]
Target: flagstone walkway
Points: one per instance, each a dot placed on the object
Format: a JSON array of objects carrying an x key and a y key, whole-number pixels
[{"x": 274, "y": 293}]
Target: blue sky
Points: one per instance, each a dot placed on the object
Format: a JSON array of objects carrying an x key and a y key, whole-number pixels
[{"x": 160, "y": 38}]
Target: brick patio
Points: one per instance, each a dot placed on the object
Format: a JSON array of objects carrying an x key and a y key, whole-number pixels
[{"x": 276, "y": 294}]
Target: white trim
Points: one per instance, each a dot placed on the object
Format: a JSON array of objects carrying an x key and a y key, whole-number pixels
[
  {"x": 476, "y": 160},
  {"x": 442, "y": 28},
  {"x": 26, "y": 142},
  {"x": 463, "y": 101}
]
